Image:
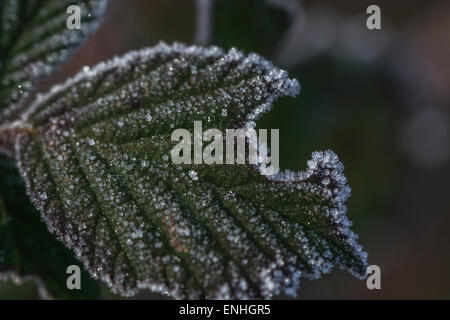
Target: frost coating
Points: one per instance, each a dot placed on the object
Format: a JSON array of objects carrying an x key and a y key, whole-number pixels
[
  {"x": 94, "y": 153},
  {"x": 34, "y": 39}
]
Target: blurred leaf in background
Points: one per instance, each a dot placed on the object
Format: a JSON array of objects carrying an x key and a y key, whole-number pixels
[{"x": 34, "y": 39}]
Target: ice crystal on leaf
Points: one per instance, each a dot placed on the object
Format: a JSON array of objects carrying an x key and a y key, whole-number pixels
[
  {"x": 28, "y": 252},
  {"x": 94, "y": 155},
  {"x": 34, "y": 38}
]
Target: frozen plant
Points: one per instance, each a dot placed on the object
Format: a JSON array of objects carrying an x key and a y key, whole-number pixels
[{"x": 94, "y": 154}]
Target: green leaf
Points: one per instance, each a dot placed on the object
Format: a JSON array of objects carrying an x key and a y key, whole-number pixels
[
  {"x": 27, "y": 250},
  {"x": 34, "y": 38},
  {"x": 95, "y": 154}
]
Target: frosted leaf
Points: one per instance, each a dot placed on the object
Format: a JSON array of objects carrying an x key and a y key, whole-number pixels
[
  {"x": 138, "y": 221},
  {"x": 34, "y": 38},
  {"x": 28, "y": 252}
]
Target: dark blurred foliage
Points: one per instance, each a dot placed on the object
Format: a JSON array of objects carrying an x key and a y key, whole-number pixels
[
  {"x": 386, "y": 115},
  {"x": 263, "y": 24}
]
